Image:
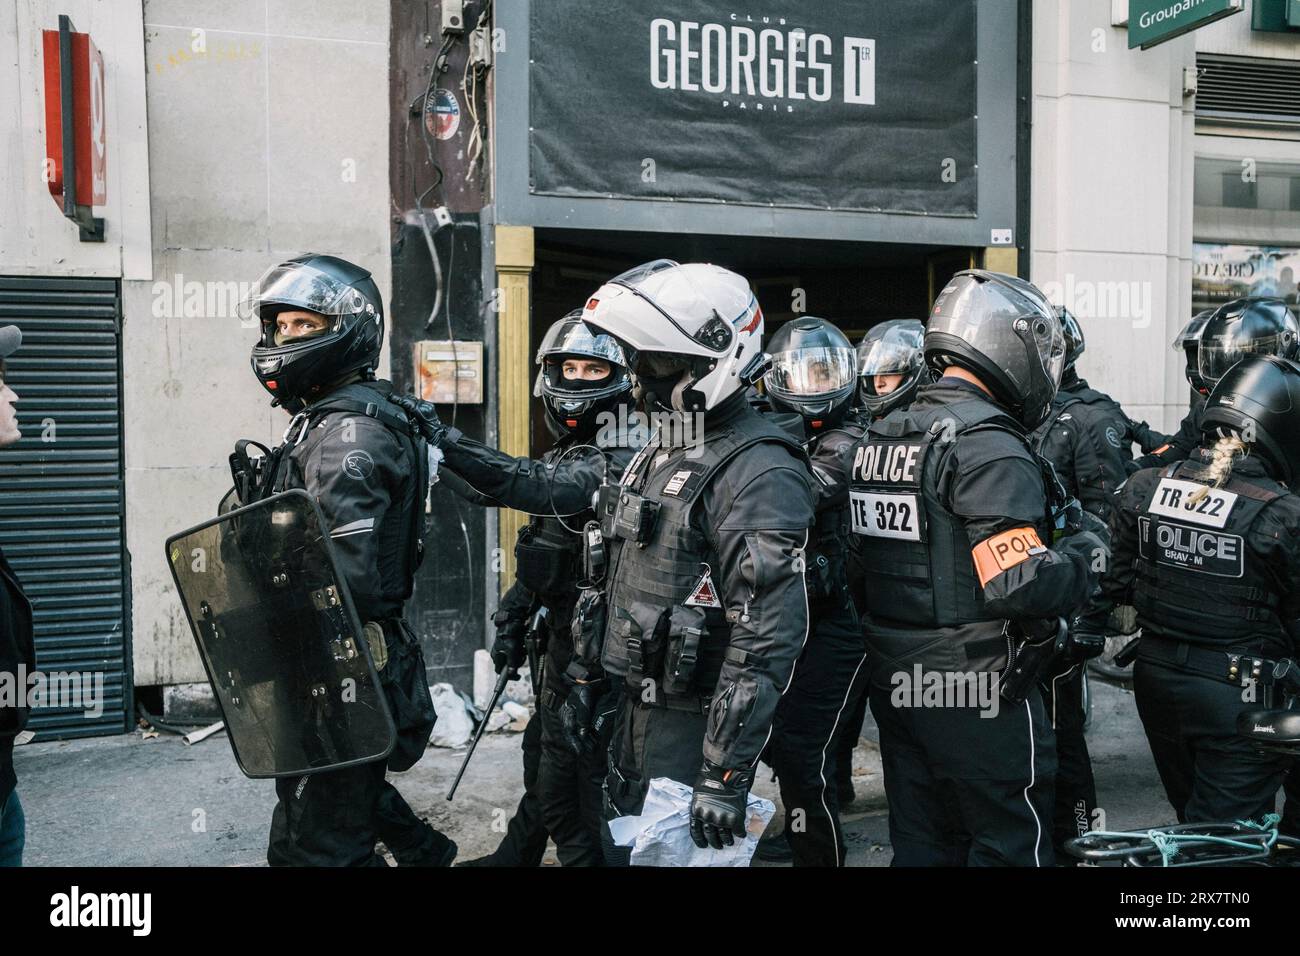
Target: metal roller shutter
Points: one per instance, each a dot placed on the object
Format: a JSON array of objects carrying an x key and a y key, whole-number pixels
[{"x": 61, "y": 489}]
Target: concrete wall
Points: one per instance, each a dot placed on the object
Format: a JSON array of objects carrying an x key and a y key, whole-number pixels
[
  {"x": 265, "y": 135},
  {"x": 1111, "y": 198},
  {"x": 35, "y": 238},
  {"x": 272, "y": 143}
]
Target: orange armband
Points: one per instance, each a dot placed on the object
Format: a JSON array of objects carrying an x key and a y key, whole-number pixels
[{"x": 994, "y": 555}]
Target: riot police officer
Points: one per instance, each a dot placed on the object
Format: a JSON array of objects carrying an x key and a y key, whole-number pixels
[
  {"x": 814, "y": 375},
  {"x": 707, "y": 607},
  {"x": 1086, "y": 438},
  {"x": 1207, "y": 552},
  {"x": 891, "y": 367},
  {"x": 585, "y": 387},
  {"x": 1212, "y": 342},
  {"x": 321, "y": 321},
  {"x": 964, "y": 593}
]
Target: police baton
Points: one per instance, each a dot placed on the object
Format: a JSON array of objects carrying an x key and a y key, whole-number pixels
[{"x": 506, "y": 676}]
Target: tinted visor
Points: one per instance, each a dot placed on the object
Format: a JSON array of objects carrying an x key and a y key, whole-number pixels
[
  {"x": 1216, "y": 355},
  {"x": 572, "y": 337}
]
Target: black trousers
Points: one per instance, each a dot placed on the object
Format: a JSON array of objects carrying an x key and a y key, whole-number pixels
[
  {"x": 1076, "y": 789},
  {"x": 571, "y": 792},
  {"x": 828, "y": 678},
  {"x": 648, "y": 742},
  {"x": 525, "y": 841},
  {"x": 1209, "y": 773},
  {"x": 335, "y": 818},
  {"x": 850, "y": 731},
  {"x": 966, "y": 789}
]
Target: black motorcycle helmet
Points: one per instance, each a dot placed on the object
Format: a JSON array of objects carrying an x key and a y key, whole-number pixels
[
  {"x": 1004, "y": 330},
  {"x": 296, "y": 370},
  {"x": 1258, "y": 400},
  {"x": 1189, "y": 342},
  {"x": 1073, "y": 332},
  {"x": 813, "y": 371},
  {"x": 1250, "y": 326},
  {"x": 891, "y": 348},
  {"x": 574, "y": 405}
]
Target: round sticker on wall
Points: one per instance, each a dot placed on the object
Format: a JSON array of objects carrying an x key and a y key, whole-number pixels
[{"x": 442, "y": 114}]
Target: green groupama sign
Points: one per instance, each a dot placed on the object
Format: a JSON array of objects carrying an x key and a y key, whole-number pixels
[{"x": 1155, "y": 21}]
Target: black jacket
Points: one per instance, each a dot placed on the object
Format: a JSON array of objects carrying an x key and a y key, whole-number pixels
[
  {"x": 560, "y": 483},
  {"x": 364, "y": 476},
  {"x": 17, "y": 650},
  {"x": 1085, "y": 439}
]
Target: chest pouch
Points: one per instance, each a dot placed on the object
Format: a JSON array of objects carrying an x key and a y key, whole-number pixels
[{"x": 542, "y": 566}]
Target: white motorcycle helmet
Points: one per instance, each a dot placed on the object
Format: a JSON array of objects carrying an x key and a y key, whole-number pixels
[{"x": 691, "y": 332}]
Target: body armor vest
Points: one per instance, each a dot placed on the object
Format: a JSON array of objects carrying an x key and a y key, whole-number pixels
[
  {"x": 917, "y": 557},
  {"x": 1196, "y": 580},
  {"x": 666, "y": 617}
]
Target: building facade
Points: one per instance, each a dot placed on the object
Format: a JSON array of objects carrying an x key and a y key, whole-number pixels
[{"x": 491, "y": 169}]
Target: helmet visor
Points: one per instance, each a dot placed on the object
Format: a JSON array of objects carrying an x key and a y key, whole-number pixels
[
  {"x": 1191, "y": 332},
  {"x": 892, "y": 348},
  {"x": 305, "y": 287},
  {"x": 1216, "y": 355},
  {"x": 811, "y": 372},
  {"x": 571, "y": 336}
]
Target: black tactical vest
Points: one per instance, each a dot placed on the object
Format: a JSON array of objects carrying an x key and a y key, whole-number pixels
[
  {"x": 917, "y": 557},
  {"x": 1089, "y": 476},
  {"x": 1196, "y": 579},
  {"x": 666, "y": 617}
]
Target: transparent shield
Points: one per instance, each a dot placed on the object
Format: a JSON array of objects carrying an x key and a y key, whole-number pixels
[{"x": 280, "y": 640}]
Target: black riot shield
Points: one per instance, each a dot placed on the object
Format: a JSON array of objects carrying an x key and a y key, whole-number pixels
[{"x": 280, "y": 640}]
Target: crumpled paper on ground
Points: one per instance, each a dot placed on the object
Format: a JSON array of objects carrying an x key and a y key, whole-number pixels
[
  {"x": 661, "y": 835},
  {"x": 454, "y": 726}
]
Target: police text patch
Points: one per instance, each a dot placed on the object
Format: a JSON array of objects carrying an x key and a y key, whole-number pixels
[
  {"x": 1197, "y": 550},
  {"x": 1173, "y": 499}
]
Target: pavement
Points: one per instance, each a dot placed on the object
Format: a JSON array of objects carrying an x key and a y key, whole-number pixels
[{"x": 133, "y": 801}]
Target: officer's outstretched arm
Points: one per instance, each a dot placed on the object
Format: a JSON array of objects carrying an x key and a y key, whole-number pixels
[
  {"x": 758, "y": 513},
  {"x": 355, "y": 498},
  {"x": 527, "y": 484},
  {"x": 998, "y": 494}
]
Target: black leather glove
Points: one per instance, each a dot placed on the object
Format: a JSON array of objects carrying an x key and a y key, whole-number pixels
[
  {"x": 586, "y": 712},
  {"x": 508, "y": 649},
  {"x": 425, "y": 418},
  {"x": 718, "y": 806}
]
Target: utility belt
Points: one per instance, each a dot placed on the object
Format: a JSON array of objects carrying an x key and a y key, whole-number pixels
[{"x": 1235, "y": 667}]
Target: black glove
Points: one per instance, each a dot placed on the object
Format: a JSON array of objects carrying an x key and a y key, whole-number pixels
[
  {"x": 718, "y": 806},
  {"x": 508, "y": 649},
  {"x": 425, "y": 418},
  {"x": 586, "y": 711}
]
